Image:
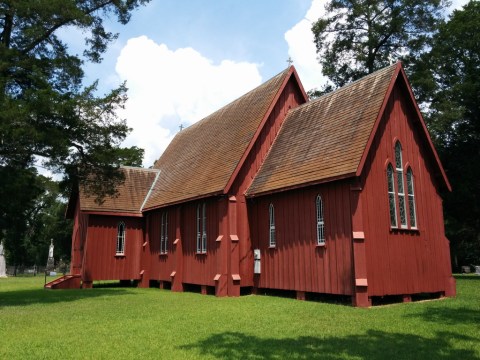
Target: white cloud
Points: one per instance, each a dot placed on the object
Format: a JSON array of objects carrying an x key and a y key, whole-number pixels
[
  {"x": 302, "y": 50},
  {"x": 172, "y": 87}
]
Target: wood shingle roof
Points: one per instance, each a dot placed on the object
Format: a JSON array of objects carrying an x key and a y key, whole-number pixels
[
  {"x": 131, "y": 193},
  {"x": 325, "y": 138},
  {"x": 201, "y": 159}
]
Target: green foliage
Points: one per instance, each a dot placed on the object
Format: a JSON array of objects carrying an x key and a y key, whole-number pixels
[
  {"x": 448, "y": 79},
  {"x": 151, "y": 324},
  {"x": 357, "y": 37},
  {"x": 47, "y": 114}
]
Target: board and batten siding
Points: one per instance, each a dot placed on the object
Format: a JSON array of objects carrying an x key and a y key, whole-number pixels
[
  {"x": 403, "y": 261},
  {"x": 101, "y": 261},
  {"x": 297, "y": 262},
  {"x": 290, "y": 98},
  {"x": 162, "y": 265},
  {"x": 80, "y": 224}
]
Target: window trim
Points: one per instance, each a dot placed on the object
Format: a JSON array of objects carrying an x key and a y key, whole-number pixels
[
  {"x": 121, "y": 237},
  {"x": 320, "y": 219},
  {"x": 272, "y": 240},
  {"x": 411, "y": 194},
  {"x": 201, "y": 228},
  {"x": 400, "y": 185},
  {"x": 164, "y": 233},
  {"x": 401, "y": 193}
]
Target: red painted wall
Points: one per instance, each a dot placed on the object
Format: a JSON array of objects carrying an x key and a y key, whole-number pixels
[
  {"x": 297, "y": 263},
  {"x": 162, "y": 265},
  {"x": 290, "y": 98},
  {"x": 100, "y": 261},
  {"x": 79, "y": 234},
  {"x": 403, "y": 261}
]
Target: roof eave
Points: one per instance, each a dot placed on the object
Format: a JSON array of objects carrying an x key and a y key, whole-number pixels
[{"x": 302, "y": 185}]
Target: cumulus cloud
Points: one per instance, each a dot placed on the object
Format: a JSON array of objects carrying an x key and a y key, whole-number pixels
[
  {"x": 302, "y": 50},
  {"x": 171, "y": 87}
]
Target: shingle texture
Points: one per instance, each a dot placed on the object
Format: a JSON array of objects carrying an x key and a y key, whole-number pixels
[
  {"x": 324, "y": 138},
  {"x": 201, "y": 159},
  {"x": 131, "y": 193}
]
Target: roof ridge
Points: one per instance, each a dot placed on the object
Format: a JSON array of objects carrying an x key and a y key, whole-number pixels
[{"x": 346, "y": 87}]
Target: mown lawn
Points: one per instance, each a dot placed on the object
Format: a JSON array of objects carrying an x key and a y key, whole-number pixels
[{"x": 106, "y": 323}]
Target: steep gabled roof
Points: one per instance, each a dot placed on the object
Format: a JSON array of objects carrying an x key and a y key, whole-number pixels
[
  {"x": 202, "y": 159},
  {"x": 329, "y": 138},
  {"x": 131, "y": 193}
]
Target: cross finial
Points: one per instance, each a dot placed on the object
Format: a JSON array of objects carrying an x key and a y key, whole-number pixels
[
  {"x": 181, "y": 127},
  {"x": 289, "y": 61}
]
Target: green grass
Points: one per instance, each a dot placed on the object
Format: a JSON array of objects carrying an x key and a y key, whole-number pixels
[{"x": 119, "y": 323}]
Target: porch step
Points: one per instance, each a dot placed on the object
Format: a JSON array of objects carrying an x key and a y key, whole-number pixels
[{"x": 64, "y": 282}]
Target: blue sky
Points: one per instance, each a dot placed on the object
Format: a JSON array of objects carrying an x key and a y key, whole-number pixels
[{"x": 182, "y": 60}]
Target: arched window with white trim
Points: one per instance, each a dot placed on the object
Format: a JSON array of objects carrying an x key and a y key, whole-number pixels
[
  {"x": 164, "y": 233},
  {"x": 320, "y": 221},
  {"x": 391, "y": 196},
  {"x": 271, "y": 214},
  {"x": 411, "y": 199},
  {"x": 201, "y": 228},
  {"x": 400, "y": 185},
  {"x": 120, "y": 250}
]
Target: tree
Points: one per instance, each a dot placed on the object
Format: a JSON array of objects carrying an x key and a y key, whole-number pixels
[
  {"x": 448, "y": 79},
  {"x": 357, "y": 37},
  {"x": 47, "y": 114}
]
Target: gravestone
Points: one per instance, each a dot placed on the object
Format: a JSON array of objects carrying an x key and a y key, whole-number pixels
[
  {"x": 50, "y": 260},
  {"x": 3, "y": 267}
]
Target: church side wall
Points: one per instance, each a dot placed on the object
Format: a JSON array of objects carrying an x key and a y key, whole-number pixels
[
  {"x": 297, "y": 262},
  {"x": 101, "y": 261}
]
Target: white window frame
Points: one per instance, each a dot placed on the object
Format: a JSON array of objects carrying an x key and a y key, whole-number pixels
[
  {"x": 272, "y": 241},
  {"x": 411, "y": 199},
  {"x": 320, "y": 220},
  {"x": 402, "y": 208},
  {"x": 120, "y": 249},
  {"x": 202, "y": 228},
  {"x": 164, "y": 233},
  {"x": 392, "y": 201}
]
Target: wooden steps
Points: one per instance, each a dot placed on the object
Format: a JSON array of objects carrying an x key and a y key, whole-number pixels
[{"x": 64, "y": 282}]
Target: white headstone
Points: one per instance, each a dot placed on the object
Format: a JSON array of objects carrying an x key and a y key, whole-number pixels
[
  {"x": 50, "y": 250},
  {"x": 3, "y": 266}
]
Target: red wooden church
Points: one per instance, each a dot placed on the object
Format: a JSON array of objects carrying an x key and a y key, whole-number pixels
[{"x": 339, "y": 195}]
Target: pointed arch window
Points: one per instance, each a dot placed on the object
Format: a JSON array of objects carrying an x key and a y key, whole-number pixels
[
  {"x": 120, "y": 250},
  {"x": 164, "y": 233},
  {"x": 320, "y": 221},
  {"x": 271, "y": 215},
  {"x": 400, "y": 185},
  {"x": 391, "y": 196},
  {"x": 411, "y": 199},
  {"x": 201, "y": 228},
  {"x": 401, "y": 195}
]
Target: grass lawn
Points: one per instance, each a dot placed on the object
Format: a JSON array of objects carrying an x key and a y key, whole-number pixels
[{"x": 131, "y": 323}]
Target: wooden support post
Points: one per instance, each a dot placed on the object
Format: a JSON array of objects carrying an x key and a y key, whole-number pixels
[
  {"x": 203, "y": 289},
  {"x": 234, "y": 249},
  {"x": 161, "y": 284},
  {"x": 221, "y": 286},
  {"x": 177, "y": 274},
  {"x": 360, "y": 297},
  {"x": 407, "y": 298},
  {"x": 145, "y": 257},
  {"x": 301, "y": 295},
  {"x": 87, "y": 284}
]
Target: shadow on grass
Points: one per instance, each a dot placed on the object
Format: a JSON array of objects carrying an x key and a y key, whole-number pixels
[
  {"x": 42, "y": 296},
  {"x": 449, "y": 316},
  {"x": 372, "y": 345}
]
